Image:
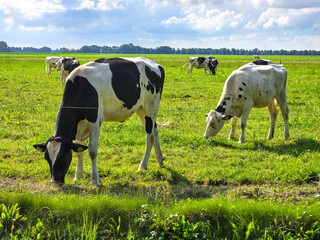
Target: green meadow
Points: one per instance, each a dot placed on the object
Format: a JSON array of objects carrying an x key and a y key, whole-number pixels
[{"x": 209, "y": 188}]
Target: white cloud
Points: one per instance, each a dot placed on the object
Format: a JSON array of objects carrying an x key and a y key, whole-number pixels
[
  {"x": 37, "y": 29},
  {"x": 108, "y": 5},
  {"x": 263, "y": 4},
  {"x": 9, "y": 22},
  {"x": 86, "y": 4},
  {"x": 273, "y": 18},
  {"x": 213, "y": 19},
  {"x": 31, "y": 9}
]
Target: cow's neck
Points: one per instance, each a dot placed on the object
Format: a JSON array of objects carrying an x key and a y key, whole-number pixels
[
  {"x": 66, "y": 123},
  {"x": 225, "y": 104}
]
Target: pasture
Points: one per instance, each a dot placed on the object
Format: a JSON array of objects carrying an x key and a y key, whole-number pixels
[{"x": 259, "y": 188}]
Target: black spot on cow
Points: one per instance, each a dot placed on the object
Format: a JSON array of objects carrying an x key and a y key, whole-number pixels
[
  {"x": 240, "y": 96},
  {"x": 201, "y": 60},
  {"x": 79, "y": 102},
  {"x": 224, "y": 103},
  {"x": 227, "y": 98},
  {"x": 155, "y": 81},
  {"x": 125, "y": 80},
  {"x": 260, "y": 62},
  {"x": 221, "y": 109},
  {"x": 70, "y": 63},
  {"x": 267, "y": 92},
  {"x": 244, "y": 84},
  {"x": 245, "y": 98},
  {"x": 240, "y": 88},
  {"x": 149, "y": 125}
]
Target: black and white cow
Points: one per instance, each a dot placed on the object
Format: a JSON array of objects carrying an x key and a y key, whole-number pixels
[
  {"x": 65, "y": 66},
  {"x": 208, "y": 63},
  {"x": 257, "y": 84},
  {"x": 104, "y": 90}
]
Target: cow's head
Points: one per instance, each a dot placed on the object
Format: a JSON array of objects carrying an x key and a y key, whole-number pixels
[
  {"x": 58, "y": 154},
  {"x": 213, "y": 66},
  {"x": 215, "y": 121}
]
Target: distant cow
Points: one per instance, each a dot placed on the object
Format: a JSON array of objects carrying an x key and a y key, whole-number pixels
[
  {"x": 208, "y": 63},
  {"x": 51, "y": 62},
  {"x": 104, "y": 90},
  {"x": 250, "y": 86},
  {"x": 256, "y": 56},
  {"x": 65, "y": 66}
]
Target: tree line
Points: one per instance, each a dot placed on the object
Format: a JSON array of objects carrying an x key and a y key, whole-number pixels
[{"x": 133, "y": 49}]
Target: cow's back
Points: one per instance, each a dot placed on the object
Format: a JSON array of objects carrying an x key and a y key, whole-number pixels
[
  {"x": 123, "y": 84},
  {"x": 259, "y": 83}
]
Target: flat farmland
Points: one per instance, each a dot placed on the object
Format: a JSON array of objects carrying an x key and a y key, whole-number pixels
[{"x": 255, "y": 189}]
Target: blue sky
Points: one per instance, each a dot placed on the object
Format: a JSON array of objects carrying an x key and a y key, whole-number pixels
[{"x": 248, "y": 24}]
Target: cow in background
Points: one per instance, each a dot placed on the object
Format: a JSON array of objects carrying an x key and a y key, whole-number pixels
[
  {"x": 65, "y": 66},
  {"x": 255, "y": 56},
  {"x": 208, "y": 63},
  {"x": 252, "y": 85},
  {"x": 51, "y": 62}
]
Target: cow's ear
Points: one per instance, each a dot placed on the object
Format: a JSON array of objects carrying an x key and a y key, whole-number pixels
[
  {"x": 76, "y": 147},
  {"x": 40, "y": 147},
  {"x": 226, "y": 117}
]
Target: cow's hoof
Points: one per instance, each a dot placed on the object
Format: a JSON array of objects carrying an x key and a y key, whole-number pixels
[{"x": 141, "y": 169}]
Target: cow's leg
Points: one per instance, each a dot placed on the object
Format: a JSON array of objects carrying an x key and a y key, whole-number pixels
[
  {"x": 82, "y": 135},
  {"x": 243, "y": 122},
  {"x": 93, "y": 151},
  {"x": 79, "y": 169},
  {"x": 190, "y": 69},
  {"x": 156, "y": 145},
  {"x": 233, "y": 127},
  {"x": 282, "y": 100},
  {"x": 152, "y": 138},
  {"x": 273, "y": 113},
  {"x": 49, "y": 71}
]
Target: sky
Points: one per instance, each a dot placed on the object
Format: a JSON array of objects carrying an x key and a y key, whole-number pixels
[{"x": 247, "y": 24}]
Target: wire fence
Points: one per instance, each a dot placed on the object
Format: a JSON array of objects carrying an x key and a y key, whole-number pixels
[{"x": 163, "y": 109}]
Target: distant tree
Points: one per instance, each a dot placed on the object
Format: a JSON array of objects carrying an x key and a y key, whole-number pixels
[
  {"x": 4, "y": 47},
  {"x": 164, "y": 50}
]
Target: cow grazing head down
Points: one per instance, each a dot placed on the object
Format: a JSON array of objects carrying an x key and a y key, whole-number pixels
[
  {"x": 212, "y": 65},
  {"x": 254, "y": 85},
  {"x": 58, "y": 154},
  {"x": 215, "y": 121},
  {"x": 111, "y": 90}
]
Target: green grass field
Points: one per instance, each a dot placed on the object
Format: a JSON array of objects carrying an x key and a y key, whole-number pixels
[{"x": 209, "y": 189}]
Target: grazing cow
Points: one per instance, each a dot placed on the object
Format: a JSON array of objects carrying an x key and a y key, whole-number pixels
[
  {"x": 213, "y": 63},
  {"x": 256, "y": 56},
  {"x": 51, "y": 62},
  {"x": 262, "y": 62},
  {"x": 104, "y": 90},
  {"x": 250, "y": 86},
  {"x": 65, "y": 66},
  {"x": 208, "y": 63}
]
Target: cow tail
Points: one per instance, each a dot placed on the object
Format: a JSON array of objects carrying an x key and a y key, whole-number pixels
[
  {"x": 165, "y": 124},
  {"x": 185, "y": 64}
]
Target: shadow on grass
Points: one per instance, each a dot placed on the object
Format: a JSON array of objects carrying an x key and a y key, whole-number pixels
[
  {"x": 295, "y": 148},
  {"x": 176, "y": 177}
]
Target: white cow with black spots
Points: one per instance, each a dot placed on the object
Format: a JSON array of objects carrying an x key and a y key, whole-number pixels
[{"x": 260, "y": 84}]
